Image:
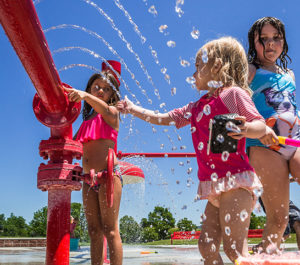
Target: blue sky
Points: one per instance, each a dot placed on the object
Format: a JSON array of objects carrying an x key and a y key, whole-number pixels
[{"x": 21, "y": 133}]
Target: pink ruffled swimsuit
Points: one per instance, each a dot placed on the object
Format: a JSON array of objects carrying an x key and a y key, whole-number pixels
[{"x": 96, "y": 128}]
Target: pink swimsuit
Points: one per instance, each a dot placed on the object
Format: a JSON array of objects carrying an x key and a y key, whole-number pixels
[{"x": 96, "y": 128}]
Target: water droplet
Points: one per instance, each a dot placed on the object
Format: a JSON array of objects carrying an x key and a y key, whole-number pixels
[
  {"x": 183, "y": 147},
  {"x": 215, "y": 262},
  {"x": 212, "y": 166},
  {"x": 190, "y": 80},
  {"x": 162, "y": 28},
  {"x": 202, "y": 218},
  {"x": 204, "y": 56},
  {"x": 163, "y": 70},
  {"x": 184, "y": 207},
  {"x": 177, "y": 181},
  {"x": 181, "y": 164},
  {"x": 199, "y": 116},
  {"x": 225, "y": 156},
  {"x": 174, "y": 148},
  {"x": 184, "y": 63},
  {"x": 258, "y": 192},
  {"x": 152, "y": 10},
  {"x": 220, "y": 138},
  {"x": 156, "y": 111},
  {"x": 233, "y": 246},
  {"x": 227, "y": 230},
  {"x": 227, "y": 217},
  {"x": 195, "y": 33},
  {"x": 171, "y": 44},
  {"x": 213, "y": 248},
  {"x": 200, "y": 146},
  {"x": 214, "y": 177},
  {"x": 231, "y": 127},
  {"x": 189, "y": 170},
  {"x": 173, "y": 91},
  {"x": 167, "y": 78},
  {"x": 206, "y": 109},
  {"x": 197, "y": 198},
  {"x": 193, "y": 129},
  {"x": 162, "y": 105},
  {"x": 187, "y": 115},
  {"x": 154, "y": 130},
  {"x": 162, "y": 146},
  {"x": 243, "y": 215},
  {"x": 214, "y": 84},
  {"x": 179, "y": 11},
  {"x": 166, "y": 130},
  {"x": 179, "y": 138},
  {"x": 150, "y": 101},
  {"x": 172, "y": 123}
]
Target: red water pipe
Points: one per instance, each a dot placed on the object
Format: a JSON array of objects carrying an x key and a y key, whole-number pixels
[
  {"x": 51, "y": 107},
  {"x": 21, "y": 24}
]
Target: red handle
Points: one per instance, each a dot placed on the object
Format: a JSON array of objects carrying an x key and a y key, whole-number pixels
[{"x": 110, "y": 178}]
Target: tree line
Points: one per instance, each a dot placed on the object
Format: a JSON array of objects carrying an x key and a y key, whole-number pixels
[{"x": 159, "y": 225}]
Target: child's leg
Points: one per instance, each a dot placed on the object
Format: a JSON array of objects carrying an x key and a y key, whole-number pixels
[
  {"x": 235, "y": 212},
  {"x": 273, "y": 171},
  {"x": 294, "y": 164},
  {"x": 296, "y": 227},
  {"x": 210, "y": 237},
  {"x": 110, "y": 221},
  {"x": 92, "y": 213}
]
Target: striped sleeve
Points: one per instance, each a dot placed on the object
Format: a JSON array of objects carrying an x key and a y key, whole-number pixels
[
  {"x": 237, "y": 100},
  {"x": 181, "y": 116}
]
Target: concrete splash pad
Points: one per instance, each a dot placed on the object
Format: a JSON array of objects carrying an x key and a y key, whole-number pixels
[{"x": 166, "y": 255}]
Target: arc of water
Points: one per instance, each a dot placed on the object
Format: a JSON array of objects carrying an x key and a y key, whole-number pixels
[
  {"x": 96, "y": 55},
  {"x": 92, "y": 33},
  {"x": 128, "y": 45},
  {"x": 143, "y": 39},
  {"x": 135, "y": 27}
]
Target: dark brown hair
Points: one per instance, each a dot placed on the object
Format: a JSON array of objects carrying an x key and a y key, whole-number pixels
[
  {"x": 256, "y": 29},
  {"x": 108, "y": 77}
]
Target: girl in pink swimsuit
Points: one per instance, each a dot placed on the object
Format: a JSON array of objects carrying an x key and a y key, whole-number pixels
[
  {"x": 98, "y": 133},
  {"x": 227, "y": 180}
]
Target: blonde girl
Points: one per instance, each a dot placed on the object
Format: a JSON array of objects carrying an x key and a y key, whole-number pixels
[{"x": 228, "y": 185}]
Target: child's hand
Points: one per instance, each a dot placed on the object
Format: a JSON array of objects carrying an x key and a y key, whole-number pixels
[
  {"x": 75, "y": 95},
  {"x": 124, "y": 106},
  {"x": 270, "y": 138},
  {"x": 238, "y": 131}
]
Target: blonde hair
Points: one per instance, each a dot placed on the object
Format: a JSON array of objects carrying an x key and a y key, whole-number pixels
[{"x": 234, "y": 65}]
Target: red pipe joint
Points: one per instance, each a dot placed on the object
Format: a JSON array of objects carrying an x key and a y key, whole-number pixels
[
  {"x": 56, "y": 120},
  {"x": 59, "y": 172}
]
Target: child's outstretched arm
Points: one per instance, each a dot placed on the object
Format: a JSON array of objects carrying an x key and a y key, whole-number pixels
[
  {"x": 126, "y": 106},
  {"x": 100, "y": 106}
]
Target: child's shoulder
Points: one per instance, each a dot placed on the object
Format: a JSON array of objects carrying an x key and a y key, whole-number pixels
[{"x": 252, "y": 72}]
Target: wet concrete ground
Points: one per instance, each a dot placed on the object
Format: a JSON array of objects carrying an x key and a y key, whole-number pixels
[{"x": 166, "y": 255}]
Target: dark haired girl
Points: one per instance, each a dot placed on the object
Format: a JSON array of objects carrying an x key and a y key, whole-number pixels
[{"x": 274, "y": 90}]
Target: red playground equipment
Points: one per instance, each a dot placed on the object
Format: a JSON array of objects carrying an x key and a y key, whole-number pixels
[{"x": 52, "y": 108}]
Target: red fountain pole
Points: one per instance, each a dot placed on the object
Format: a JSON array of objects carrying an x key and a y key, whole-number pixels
[{"x": 51, "y": 107}]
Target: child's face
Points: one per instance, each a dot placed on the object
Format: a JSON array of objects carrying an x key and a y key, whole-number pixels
[
  {"x": 202, "y": 74},
  {"x": 101, "y": 89},
  {"x": 273, "y": 42}
]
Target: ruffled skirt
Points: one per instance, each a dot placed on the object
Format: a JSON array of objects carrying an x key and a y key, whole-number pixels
[{"x": 211, "y": 190}]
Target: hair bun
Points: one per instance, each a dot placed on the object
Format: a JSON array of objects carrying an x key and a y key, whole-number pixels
[{"x": 114, "y": 65}]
